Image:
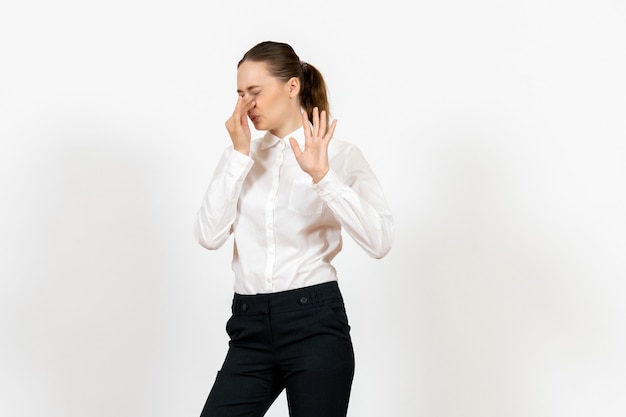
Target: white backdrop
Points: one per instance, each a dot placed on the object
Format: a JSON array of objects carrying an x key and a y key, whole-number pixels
[{"x": 497, "y": 129}]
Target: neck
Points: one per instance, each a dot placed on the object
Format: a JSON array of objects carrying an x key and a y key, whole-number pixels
[{"x": 293, "y": 122}]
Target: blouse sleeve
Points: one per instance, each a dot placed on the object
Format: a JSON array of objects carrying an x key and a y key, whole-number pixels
[
  {"x": 352, "y": 191},
  {"x": 218, "y": 211}
]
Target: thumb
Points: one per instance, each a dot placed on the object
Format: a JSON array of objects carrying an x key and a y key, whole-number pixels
[{"x": 296, "y": 148}]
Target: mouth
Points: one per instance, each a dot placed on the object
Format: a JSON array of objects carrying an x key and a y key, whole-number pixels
[{"x": 254, "y": 118}]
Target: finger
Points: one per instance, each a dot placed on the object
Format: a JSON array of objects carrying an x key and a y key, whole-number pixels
[
  {"x": 306, "y": 125},
  {"x": 248, "y": 104},
  {"x": 243, "y": 120},
  {"x": 331, "y": 130},
  {"x": 316, "y": 122},
  {"x": 238, "y": 106},
  {"x": 295, "y": 147},
  {"x": 323, "y": 123},
  {"x": 242, "y": 106}
]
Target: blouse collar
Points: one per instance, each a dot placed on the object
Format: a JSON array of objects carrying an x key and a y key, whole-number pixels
[{"x": 270, "y": 140}]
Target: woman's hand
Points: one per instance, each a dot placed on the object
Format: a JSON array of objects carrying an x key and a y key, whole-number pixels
[
  {"x": 314, "y": 158},
  {"x": 237, "y": 125}
]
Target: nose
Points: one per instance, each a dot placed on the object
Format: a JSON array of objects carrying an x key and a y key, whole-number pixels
[{"x": 248, "y": 97}]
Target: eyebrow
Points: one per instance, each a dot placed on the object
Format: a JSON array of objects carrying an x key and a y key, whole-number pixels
[{"x": 252, "y": 87}]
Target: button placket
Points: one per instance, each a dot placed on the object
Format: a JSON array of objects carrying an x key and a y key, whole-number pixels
[{"x": 269, "y": 216}]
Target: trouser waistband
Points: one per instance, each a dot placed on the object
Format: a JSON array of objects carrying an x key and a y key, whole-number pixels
[{"x": 289, "y": 300}]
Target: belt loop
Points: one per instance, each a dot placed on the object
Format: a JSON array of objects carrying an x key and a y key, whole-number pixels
[{"x": 318, "y": 297}]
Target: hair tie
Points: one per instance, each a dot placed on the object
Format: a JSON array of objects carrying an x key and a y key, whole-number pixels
[{"x": 304, "y": 66}]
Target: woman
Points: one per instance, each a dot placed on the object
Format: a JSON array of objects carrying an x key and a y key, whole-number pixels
[{"x": 286, "y": 198}]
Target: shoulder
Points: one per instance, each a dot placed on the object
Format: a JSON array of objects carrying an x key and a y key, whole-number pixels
[
  {"x": 340, "y": 148},
  {"x": 339, "y": 145}
]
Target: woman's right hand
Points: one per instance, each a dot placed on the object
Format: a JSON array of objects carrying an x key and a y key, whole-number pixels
[{"x": 237, "y": 125}]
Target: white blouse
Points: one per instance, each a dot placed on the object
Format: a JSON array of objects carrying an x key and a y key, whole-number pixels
[{"x": 287, "y": 229}]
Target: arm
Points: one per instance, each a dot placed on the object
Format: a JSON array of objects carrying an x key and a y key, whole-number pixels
[
  {"x": 353, "y": 193},
  {"x": 218, "y": 211}
]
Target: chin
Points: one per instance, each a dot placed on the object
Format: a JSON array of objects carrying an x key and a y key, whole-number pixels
[{"x": 258, "y": 125}]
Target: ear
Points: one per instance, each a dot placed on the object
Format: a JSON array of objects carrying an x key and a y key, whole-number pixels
[{"x": 293, "y": 86}]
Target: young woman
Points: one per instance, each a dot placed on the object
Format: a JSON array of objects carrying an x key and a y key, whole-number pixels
[{"x": 286, "y": 197}]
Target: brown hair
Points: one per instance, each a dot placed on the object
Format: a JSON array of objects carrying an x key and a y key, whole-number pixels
[{"x": 283, "y": 63}]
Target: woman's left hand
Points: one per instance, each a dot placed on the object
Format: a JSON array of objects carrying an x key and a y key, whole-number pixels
[{"x": 314, "y": 158}]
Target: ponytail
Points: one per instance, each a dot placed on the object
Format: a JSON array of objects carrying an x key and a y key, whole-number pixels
[{"x": 313, "y": 91}]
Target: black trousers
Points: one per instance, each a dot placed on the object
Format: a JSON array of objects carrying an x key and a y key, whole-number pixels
[{"x": 297, "y": 340}]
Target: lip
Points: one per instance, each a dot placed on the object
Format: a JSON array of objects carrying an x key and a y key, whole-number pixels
[{"x": 254, "y": 118}]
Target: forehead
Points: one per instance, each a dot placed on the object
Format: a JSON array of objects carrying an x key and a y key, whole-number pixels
[{"x": 253, "y": 74}]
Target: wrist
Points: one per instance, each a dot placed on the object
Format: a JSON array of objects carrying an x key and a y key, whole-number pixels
[
  {"x": 242, "y": 149},
  {"x": 318, "y": 176}
]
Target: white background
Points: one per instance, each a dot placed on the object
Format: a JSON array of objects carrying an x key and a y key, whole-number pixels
[{"x": 497, "y": 129}]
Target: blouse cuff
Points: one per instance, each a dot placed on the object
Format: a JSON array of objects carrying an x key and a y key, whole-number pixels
[
  {"x": 329, "y": 187},
  {"x": 238, "y": 163}
]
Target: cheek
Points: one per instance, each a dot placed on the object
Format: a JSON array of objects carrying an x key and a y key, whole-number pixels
[
  {"x": 274, "y": 103},
  {"x": 273, "y": 100}
]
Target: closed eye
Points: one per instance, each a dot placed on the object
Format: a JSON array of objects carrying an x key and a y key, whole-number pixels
[{"x": 251, "y": 91}]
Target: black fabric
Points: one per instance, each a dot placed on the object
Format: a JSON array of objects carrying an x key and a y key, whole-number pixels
[{"x": 297, "y": 340}]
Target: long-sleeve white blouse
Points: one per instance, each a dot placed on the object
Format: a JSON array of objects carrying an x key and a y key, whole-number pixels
[{"x": 287, "y": 230}]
